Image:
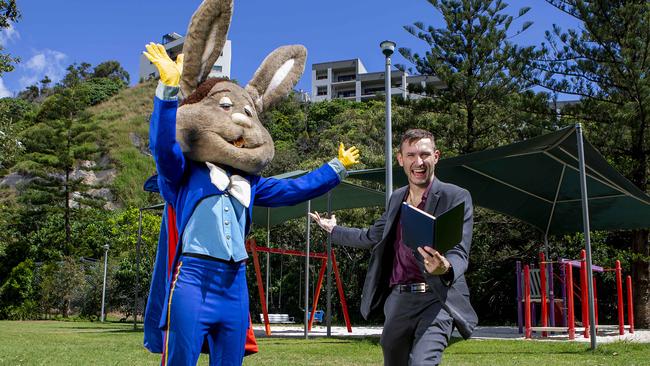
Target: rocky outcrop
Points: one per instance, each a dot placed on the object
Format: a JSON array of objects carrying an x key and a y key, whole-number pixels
[
  {"x": 139, "y": 143},
  {"x": 14, "y": 179},
  {"x": 96, "y": 175}
]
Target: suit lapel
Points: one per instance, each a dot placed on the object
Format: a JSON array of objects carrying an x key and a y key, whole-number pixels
[
  {"x": 433, "y": 197},
  {"x": 394, "y": 207}
]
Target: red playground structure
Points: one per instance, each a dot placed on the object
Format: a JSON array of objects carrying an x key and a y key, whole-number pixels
[
  {"x": 536, "y": 286},
  {"x": 251, "y": 246}
]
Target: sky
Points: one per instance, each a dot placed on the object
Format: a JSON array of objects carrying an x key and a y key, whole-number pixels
[{"x": 53, "y": 34}]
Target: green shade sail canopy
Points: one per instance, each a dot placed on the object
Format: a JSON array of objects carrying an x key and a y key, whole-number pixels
[
  {"x": 537, "y": 181},
  {"x": 345, "y": 195}
]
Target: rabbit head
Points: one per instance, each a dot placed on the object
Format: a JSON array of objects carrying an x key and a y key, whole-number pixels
[{"x": 218, "y": 121}]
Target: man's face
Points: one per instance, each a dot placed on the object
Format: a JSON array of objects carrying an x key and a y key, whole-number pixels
[{"x": 418, "y": 159}]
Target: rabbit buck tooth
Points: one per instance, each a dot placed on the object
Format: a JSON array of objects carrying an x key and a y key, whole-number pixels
[{"x": 239, "y": 142}]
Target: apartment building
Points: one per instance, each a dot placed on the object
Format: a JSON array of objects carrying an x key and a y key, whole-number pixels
[
  {"x": 349, "y": 79},
  {"x": 173, "y": 43}
]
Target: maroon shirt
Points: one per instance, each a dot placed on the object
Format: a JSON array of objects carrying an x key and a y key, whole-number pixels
[{"x": 405, "y": 266}]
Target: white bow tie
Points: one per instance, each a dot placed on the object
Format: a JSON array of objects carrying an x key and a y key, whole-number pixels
[{"x": 236, "y": 185}]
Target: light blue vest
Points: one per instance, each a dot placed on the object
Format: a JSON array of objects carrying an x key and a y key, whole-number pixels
[{"x": 216, "y": 228}]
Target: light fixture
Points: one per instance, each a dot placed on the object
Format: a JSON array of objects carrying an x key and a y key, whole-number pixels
[{"x": 387, "y": 47}]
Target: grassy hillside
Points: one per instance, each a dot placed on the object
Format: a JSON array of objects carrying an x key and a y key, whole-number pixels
[
  {"x": 126, "y": 118},
  {"x": 305, "y": 136}
]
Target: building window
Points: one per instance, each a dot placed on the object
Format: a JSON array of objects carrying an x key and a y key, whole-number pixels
[
  {"x": 321, "y": 90},
  {"x": 371, "y": 91},
  {"x": 320, "y": 75},
  {"x": 217, "y": 68},
  {"x": 346, "y": 77},
  {"x": 346, "y": 94}
]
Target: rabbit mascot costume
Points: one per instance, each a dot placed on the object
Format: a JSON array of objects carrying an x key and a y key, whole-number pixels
[{"x": 209, "y": 150}]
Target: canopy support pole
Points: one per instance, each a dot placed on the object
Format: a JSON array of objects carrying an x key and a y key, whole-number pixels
[
  {"x": 268, "y": 255},
  {"x": 328, "y": 309},
  {"x": 307, "y": 272},
  {"x": 585, "y": 223}
]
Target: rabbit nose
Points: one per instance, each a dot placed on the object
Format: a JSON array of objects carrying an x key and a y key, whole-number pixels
[{"x": 241, "y": 119}]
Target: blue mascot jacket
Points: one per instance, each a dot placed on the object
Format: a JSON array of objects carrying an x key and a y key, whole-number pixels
[{"x": 183, "y": 184}]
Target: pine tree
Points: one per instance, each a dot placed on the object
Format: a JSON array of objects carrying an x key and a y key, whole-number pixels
[
  {"x": 607, "y": 64},
  {"x": 62, "y": 136},
  {"x": 473, "y": 56}
]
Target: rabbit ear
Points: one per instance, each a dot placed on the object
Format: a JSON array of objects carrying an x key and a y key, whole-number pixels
[
  {"x": 206, "y": 36},
  {"x": 278, "y": 74}
]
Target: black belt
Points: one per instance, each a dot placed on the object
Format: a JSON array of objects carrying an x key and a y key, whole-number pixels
[
  {"x": 210, "y": 258},
  {"x": 413, "y": 287}
]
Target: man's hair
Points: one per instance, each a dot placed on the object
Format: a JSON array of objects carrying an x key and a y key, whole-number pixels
[{"x": 415, "y": 134}]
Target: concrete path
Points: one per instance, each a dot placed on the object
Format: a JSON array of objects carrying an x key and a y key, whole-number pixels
[{"x": 503, "y": 332}]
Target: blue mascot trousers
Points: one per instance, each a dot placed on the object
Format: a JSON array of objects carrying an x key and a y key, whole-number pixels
[{"x": 208, "y": 300}]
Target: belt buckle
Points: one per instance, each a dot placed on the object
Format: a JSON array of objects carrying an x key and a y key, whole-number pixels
[
  {"x": 418, "y": 287},
  {"x": 413, "y": 287}
]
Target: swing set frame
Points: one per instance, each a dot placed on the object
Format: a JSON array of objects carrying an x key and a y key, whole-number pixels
[{"x": 254, "y": 249}]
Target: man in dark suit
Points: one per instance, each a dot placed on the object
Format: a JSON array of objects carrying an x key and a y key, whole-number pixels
[{"x": 422, "y": 301}]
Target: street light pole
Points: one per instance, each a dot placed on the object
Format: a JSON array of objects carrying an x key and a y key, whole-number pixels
[
  {"x": 387, "y": 48},
  {"x": 104, "y": 285}
]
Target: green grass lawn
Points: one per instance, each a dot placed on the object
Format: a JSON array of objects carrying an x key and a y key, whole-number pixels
[{"x": 85, "y": 343}]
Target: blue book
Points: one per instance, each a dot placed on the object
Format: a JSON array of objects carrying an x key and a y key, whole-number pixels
[{"x": 420, "y": 228}]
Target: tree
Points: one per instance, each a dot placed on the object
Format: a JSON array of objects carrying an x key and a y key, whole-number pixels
[
  {"x": 75, "y": 75},
  {"x": 12, "y": 114},
  {"x": 606, "y": 63},
  {"x": 30, "y": 94},
  {"x": 62, "y": 285},
  {"x": 8, "y": 13},
  {"x": 17, "y": 293},
  {"x": 111, "y": 70},
  {"x": 98, "y": 90},
  {"x": 45, "y": 85},
  {"x": 474, "y": 58},
  {"x": 62, "y": 136},
  {"x": 127, "y": 278}
]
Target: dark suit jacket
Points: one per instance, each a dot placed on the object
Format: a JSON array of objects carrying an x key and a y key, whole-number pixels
[{"x": 380, "y": 237}]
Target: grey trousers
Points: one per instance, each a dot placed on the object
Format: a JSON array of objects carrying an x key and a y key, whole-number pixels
[{"x": 416, "y": 331}]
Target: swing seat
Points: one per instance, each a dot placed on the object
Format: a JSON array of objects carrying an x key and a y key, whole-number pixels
[
  {"x": 278, "y": 318},
  {"x": 318, "y": 316}
]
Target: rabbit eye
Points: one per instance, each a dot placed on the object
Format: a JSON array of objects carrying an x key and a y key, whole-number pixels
[
  {"x": 225, "y": 103},
  {"x": 248, "y": 110}
]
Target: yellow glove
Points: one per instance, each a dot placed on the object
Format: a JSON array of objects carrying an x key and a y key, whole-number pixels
[
  {"x": 348, "y": 157},
  {"x": 170, "y": 71}
]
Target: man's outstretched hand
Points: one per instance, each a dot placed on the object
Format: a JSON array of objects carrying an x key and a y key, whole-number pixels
[
  {"x": 348, "y": 157},
  {"x": 170, "y": 71},
  {"x": 326, "y": 224}
]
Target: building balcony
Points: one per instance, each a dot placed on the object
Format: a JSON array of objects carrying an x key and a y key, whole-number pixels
[
  {"x": 345, "y": 94},
  {"x": 374, "y": 93},
  {"x": 344, "y": 83}
]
